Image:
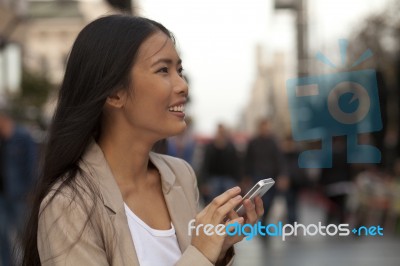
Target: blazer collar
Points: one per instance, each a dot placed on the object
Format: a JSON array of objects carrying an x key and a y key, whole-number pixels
[
  {"x": 95, "y": 163},
  {"x": 180, "y": 211}
]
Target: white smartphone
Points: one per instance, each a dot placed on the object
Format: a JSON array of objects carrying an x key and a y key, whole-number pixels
[{"x": 259, "y": 189}]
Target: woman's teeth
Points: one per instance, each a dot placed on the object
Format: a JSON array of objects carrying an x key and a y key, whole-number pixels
[{"x": 177, "y": 108}]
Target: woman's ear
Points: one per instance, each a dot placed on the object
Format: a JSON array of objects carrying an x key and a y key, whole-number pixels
[{"x": 116, "y": 99}]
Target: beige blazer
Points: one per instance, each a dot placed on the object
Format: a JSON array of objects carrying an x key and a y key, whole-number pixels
[{"x": 65, "y": 239}]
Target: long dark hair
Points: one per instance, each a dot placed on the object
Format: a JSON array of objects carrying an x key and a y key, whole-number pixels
[{"x": 99, "y": 64}]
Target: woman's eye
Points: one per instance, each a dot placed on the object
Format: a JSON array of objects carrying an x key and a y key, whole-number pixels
[
  {"x": 180, "y": 71},
  {"x": 163, "y": 70}
]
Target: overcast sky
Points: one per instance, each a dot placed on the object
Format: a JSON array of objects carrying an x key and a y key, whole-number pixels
[{"x": 217, "y": 40}]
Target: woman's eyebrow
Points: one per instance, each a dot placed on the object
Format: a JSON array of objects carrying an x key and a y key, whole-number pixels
[{"x": 168, "y": 61}]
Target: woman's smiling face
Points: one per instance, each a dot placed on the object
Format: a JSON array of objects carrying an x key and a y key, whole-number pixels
[{"x": 158, "y": 91}]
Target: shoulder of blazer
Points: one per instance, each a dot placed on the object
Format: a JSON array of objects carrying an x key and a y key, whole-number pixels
[{"x": 184, "y": 173}]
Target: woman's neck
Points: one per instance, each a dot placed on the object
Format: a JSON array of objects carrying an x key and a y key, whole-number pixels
[{"x": 128, "y": 158}]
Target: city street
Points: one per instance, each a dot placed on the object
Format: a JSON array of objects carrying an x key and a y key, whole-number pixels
[{"x": 319, "y": 251}]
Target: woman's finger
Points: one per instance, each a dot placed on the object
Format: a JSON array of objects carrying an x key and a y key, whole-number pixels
[
  {"x": 238, "y": 220},
  {"x": 259, "y": 207},
  {"x": 223, "y": 211},
  {"x": 250, "y": 211},
  {"x": 234, "y": 230},
  {"x": 232, "y": 215},
  {"x": 220, "y": 200}
]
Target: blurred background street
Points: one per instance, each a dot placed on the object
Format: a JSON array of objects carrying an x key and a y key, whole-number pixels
[
  {"x": 245, "y": 120},
  {"x": 316, "y": 251}
]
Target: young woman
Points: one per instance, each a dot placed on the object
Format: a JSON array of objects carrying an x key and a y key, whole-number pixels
[{"x": 104, "y": 198}]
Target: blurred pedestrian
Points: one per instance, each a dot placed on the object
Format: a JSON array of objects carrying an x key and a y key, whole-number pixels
[
  {"x": 337, "y": 182},
  {"x": 183, "y": 145},
  {"x": 264, "y": 159},
  {"x": 297, "y": 176},
  {"x": 104, "y": 197},
  {"x": 220, "y": 168},
  {"x": 18, "y": 155}
]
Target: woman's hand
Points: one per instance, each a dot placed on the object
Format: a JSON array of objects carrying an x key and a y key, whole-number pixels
[
  {"x": 215, "y": 246},
  {"x": 253, "y": 213},
  {"x": 215, "y": 213}
]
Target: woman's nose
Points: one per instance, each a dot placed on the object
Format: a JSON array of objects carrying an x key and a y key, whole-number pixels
[{"x": 181, "y": 87}]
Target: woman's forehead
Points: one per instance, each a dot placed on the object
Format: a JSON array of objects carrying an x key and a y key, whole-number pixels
[{"x": 156, "y": 46}]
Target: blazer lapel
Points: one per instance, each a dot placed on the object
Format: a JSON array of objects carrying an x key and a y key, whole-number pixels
[
  {"x": 179, "y": 209},
  {"x": 180, "y": 213},
  {"x": 126, "y": 245},
  {"x": 97, "y": 166}
]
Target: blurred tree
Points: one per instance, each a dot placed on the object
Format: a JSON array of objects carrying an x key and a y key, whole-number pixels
[
  {"x": 122, "y": 5},
  {"x": 380, "y": 32},
  {"x": 35, "y": 89}
]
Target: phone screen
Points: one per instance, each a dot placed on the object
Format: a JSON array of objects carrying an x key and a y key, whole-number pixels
[{"x": 259, "y": 189}]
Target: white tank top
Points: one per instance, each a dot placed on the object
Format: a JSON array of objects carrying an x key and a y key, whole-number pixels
[{"x": 153, "y": 247}]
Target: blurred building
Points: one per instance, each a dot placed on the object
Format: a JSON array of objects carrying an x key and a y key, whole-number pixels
[
  {"x": 38, "y": 34},
  {"x": 46, "y": 29},
  {"x": 51, "y": 28},
  {"x": 259, "y": 96},
  {"x": 268, "y": 95},
  {"x": 11, "y": 16}
]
